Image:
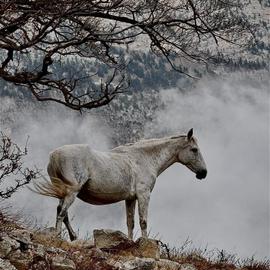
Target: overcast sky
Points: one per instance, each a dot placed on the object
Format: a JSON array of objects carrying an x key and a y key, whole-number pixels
[{"x": 228, "y": 210}]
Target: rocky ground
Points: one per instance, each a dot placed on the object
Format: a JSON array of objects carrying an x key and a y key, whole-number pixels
[{"x": 23, "y": 249}]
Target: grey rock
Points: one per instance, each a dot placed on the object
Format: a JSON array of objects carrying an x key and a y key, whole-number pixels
[
  {"x": 188, "y": 266},
  {"x": 98, "y": 254},
  {"x": 5, "y": 248},
  {"x": 164, "y": 264},
  {"x": 116, "y": 264},
  {"x": 3, "y": 234},
  {"x": 21, "y": 235},
  {"x": 110, "y": 239},
  {"x": 139, "y": 264},
  {"x": 55, "y": 250},
  {"x": 62, "y": 263},
  {"x": 6, "y": 265},
  {"x": 21, "y": 260},
  {"x": 148, "y": 248},
  {"x": 7, "y": 244},
  {"x": 38, "y": 250}
]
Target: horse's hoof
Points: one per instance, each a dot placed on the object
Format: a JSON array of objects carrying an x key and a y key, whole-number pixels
[{"x": 73, "y": 237}]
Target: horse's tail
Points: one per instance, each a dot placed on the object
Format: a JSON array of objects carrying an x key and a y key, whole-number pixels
[{"x": 56, "y": 188}]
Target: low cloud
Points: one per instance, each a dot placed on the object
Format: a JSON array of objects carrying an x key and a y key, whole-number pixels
[{"x": 228, "y": 210}]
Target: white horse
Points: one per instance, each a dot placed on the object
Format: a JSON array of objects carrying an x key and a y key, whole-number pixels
[{"x": 126, "y": 172}]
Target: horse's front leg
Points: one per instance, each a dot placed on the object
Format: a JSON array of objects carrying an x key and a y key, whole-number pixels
[
  {"x": 130, "y": 211},
  {"x": 143, "y": 203}
]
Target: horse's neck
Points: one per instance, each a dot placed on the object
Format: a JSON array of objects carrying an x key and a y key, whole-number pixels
[{"x": 162, "y": 153}]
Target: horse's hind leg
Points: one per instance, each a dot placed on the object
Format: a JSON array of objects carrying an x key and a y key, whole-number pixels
[
  {"x": 62, "y": 208},
  {"x": 72, "y": 234}
]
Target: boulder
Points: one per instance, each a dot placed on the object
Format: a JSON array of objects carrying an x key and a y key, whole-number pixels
[
  {"x": 7, "y": 244},
  {"x": 148, "y": 248},
  {"x": 6, "y": 265},
  {"x": 139, "y": 264},
  {"x": 143, "y": 248},
  {"x": 21, "y": 260},
  {"x": 188, "y": 266},
  {"x": 164, "y": 264},
  {"x": 62, "y": 263},
  {"x": 109, "y": 239},
  {"x": 97, "y": 253},
  {"x": 38, "y": 250},
  {"x": 117, "y": 242},
  {"x": 21, "y": 235},
  {"x": 55, "y": 250}
]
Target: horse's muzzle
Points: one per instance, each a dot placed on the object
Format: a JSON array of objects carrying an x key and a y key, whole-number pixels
[{"x": 201, "y": 174}]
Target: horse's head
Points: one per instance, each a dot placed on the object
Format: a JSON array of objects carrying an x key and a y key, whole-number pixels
[{"x": 191, "y": 156}]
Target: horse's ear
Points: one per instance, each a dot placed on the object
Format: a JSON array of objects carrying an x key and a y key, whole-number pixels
[{"x": 190, "y": 134}]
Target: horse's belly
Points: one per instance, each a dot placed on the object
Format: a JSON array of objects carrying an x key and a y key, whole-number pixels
[{"x": 104, "y": 195}]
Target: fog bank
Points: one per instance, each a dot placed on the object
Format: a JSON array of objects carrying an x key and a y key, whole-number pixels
[{"x": 228, "y": 210}]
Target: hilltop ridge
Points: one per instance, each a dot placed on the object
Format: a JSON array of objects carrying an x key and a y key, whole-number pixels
[{"x": 22, "y": 248}]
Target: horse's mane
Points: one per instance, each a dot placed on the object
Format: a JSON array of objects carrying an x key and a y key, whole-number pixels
[{"x": 144, "y": 142}]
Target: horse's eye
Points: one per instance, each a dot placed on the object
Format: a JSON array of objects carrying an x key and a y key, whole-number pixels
[{"x": 194, "y": 150}]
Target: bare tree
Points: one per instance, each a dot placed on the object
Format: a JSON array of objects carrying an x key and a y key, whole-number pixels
[
  {"x": 99, "y": 30},
  {"x": 12, "y": 173}
]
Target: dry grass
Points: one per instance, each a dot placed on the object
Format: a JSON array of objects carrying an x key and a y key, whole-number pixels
[
  {"x": 204, "y": 259},
  {"x": 252, "y": 264},
  {"x": 9, "y": 221},
  {"x": 51, "y": 240}
]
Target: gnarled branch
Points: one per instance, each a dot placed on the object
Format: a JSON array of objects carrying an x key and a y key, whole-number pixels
[{"x": 97, "y": 31}]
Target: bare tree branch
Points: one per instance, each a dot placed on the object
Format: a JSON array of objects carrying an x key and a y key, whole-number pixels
[
  {"x": 95, "y": 29},
  {"x": 11, "y": 166}
]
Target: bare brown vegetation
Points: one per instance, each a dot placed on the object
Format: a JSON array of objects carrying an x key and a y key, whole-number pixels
[
  {"x": 8, "y": 222},
  {"x": 204, "y": 259},
  {"x": 13, "y": 173}
]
